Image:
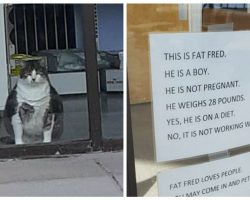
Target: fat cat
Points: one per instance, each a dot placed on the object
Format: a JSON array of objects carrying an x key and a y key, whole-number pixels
[{"x": 34, "y": 110}]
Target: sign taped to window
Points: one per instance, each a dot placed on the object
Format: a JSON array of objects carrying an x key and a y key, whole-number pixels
[
  {"x": 225, "y": 177},
  {"x": 200, "y": 92}
]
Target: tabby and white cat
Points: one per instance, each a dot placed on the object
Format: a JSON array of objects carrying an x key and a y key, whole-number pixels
[{"x": 33, "y": 111}]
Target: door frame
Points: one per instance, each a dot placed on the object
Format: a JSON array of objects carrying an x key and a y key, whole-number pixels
[{"x": 96, "y": 142}]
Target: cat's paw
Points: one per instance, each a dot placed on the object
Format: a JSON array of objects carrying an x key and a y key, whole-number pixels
[
  {"x": 19, "y": 142},
  {"x": 26, "y": 111}
]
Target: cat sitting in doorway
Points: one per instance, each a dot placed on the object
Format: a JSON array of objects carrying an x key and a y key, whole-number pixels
[{"x": 33, "y": 111}]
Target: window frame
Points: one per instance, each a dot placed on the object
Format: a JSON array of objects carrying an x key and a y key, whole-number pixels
[{"x": 96, "y": 141}]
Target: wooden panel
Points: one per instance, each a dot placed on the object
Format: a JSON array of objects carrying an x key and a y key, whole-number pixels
[{"x": 142, "y": 19}]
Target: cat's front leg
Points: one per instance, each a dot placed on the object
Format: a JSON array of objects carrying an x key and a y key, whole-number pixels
[
  {"x": 47, "y": 131},
  {"x": 18, "y": 128}
]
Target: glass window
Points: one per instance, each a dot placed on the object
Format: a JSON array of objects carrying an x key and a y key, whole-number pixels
[
  {"x": 109, "y": 18},
  {"x": 225, "y": 17},
  {"x": 46, "y": 40}
]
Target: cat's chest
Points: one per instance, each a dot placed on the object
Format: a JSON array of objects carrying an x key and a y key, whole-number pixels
[
  {"x": 32, "y": 107},
  {"x": 33, "y": 117}
]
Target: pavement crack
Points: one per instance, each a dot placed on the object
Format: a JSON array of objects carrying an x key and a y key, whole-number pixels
[{"x": 110, "y": 174}]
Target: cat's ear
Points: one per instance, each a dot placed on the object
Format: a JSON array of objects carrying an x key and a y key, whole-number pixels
[
  {"x": 43, "y": 62},
  {"x": 22, "y": 64}
]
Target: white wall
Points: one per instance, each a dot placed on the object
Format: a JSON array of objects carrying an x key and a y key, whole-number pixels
[{"x": 3, "y": 61}]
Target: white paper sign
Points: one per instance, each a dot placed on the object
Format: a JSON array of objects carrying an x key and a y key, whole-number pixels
[
  {"x": 201, "y": 92},
  {"x": 226, "y": 177}
]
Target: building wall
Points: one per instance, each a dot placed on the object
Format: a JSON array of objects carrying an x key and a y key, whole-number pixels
[
  {"x": 141, "y": 20},
  {"x": 3, "y": 61}
]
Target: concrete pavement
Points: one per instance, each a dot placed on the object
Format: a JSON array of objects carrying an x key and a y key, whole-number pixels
[{"x": 94, "y": 174}]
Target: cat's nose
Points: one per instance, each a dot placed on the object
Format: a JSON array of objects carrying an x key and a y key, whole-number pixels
[{"x": 33, "y": 79}]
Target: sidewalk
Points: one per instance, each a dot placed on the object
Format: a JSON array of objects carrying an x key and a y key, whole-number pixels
[{"x": 95, "y": 174}]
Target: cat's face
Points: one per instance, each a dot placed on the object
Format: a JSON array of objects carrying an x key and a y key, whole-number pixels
[{"x": 33, "y": 73}]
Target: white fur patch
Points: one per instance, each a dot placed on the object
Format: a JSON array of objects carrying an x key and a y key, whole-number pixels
[
  {"x": 34, "y": 94},
  {"x": 33, "y": 74},
  {"x": 17, "y": 127}
]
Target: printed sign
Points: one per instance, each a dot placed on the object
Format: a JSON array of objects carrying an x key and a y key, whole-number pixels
[
  {"x": 201, "y": 92},
  {"x": 226, "y": 177}
]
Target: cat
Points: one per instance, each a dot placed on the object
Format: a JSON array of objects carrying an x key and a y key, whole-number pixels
[{"x": 33, "y": 110}]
